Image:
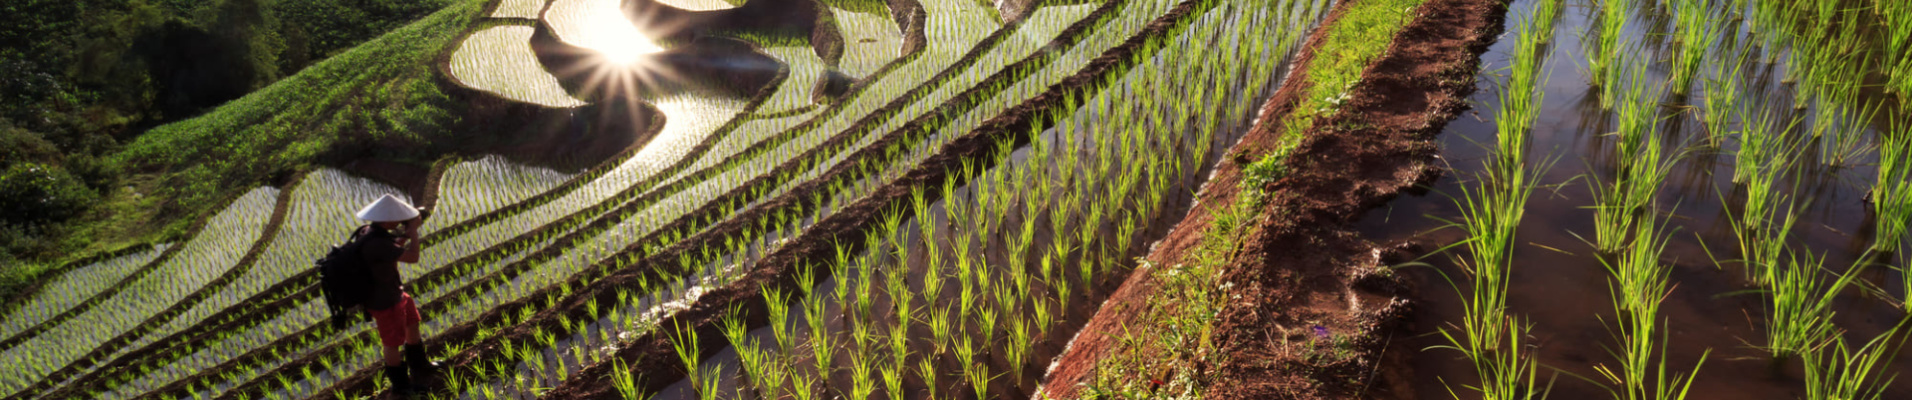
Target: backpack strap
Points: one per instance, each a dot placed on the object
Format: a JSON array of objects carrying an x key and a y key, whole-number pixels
[{"x": 358, "y": 232}]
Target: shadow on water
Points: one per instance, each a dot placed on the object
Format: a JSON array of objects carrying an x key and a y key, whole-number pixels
[{"x": 1560, "y": 286}]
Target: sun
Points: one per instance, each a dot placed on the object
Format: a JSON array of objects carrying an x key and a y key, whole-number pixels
[{"x": 600, "y": 26}]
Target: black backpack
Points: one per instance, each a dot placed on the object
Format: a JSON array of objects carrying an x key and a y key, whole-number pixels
[{"x": 344, "y": 279}]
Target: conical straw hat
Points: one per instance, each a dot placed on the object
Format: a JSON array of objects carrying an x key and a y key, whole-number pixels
[{"x": 388, "y": 209}]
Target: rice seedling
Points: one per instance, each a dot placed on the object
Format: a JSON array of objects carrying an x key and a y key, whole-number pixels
[
  {"x": 1762, "y": 147},
  {"x": 1843, "y": 129},
  {"x": 1799, "y": 321},
  {"x": 1606, "y": 49},
  {"x": 1639, "y": 285},
  {"x": 1840, "y": 372},
  {"x": 1891, "y": 194}
]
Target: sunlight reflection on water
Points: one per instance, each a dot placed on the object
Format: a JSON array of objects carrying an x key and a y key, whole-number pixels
[{"x": 599, "y": 25}]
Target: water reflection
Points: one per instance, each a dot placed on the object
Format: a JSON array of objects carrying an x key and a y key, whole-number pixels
[{"x": 600, "y": 25}]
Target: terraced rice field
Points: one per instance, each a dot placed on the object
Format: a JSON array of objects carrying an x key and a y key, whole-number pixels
[
  {"x": 1043, "y": 153},
  {"x": 871, "y": 41},
  {"x": 499, "y": 60}
]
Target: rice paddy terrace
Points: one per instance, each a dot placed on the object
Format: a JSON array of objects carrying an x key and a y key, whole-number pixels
[{"x": 922, "y": 199}]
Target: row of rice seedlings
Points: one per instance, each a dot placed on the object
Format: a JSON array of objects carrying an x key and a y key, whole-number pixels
[
  {"x": 215, "y": 353},
  {"x": 470, "y": 188},
  {"x": 1632, "y": 241},
  {"x": 200, "y": 260},
  {"x": 583, "y": 347},
  {"x": 554, "y": 355},
  {"x": 1698, "y": 27},
  {"x": 1642, "y": 165},
  {"x": 870, "y": 41},
  {"x": 74, "y": 287},
  {"x": 499, "y": 60},
  {"x": 985, "y": 110},
  {"x": 1488, "y": 336},
  {"x": 579, "y": 345},
  {"x": 1763, "y": 156},
  {"x": 1520, "y": 96}
]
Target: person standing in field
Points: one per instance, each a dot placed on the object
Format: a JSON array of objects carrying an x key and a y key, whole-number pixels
[{"x": 392, "y": 238}]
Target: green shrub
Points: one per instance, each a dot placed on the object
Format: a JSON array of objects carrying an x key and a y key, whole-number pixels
[{"x": 34, "y": 193}]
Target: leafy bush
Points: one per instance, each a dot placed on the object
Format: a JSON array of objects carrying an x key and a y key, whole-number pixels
[{"x": 34, "y": 193}]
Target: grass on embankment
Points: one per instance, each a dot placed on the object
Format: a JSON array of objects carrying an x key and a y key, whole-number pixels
[
  {"x": 382, "y": 91},
  {"x": 1191, "y": 294},
  {"x": 1354, "y": 40}
]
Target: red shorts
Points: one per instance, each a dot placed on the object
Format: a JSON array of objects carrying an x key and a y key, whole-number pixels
[{"x": 397, "y": 323}]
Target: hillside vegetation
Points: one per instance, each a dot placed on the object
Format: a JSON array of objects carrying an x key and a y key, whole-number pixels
[{"x": 122, "y": 121}]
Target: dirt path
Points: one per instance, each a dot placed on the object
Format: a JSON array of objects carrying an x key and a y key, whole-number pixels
[{"x": 1303, "y": 267}]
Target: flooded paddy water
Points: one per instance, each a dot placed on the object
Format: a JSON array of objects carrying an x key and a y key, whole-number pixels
[{"x": 1560, "y": 285}]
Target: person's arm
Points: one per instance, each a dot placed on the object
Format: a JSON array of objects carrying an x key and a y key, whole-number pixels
[
  {"x": 412, "y": 242},
  {"x": 410, "y": 256}
]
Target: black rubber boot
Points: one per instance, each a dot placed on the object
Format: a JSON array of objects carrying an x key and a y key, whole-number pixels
[
  {"x": 401, "y": 381},
  {"x": 415, "y": 357}
]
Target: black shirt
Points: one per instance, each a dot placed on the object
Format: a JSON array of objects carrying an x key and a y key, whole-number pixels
[{"x": 380, "y": 250}]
